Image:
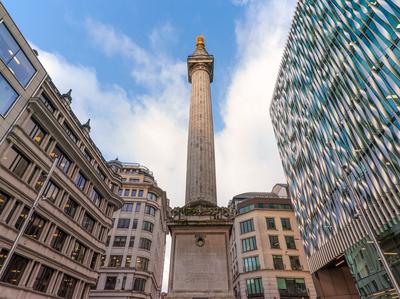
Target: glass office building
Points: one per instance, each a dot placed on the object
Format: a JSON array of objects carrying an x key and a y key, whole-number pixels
[{"x": 335, "y": 112}]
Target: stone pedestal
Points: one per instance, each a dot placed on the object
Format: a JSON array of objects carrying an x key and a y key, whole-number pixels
[{"x": 200, "y": 266}]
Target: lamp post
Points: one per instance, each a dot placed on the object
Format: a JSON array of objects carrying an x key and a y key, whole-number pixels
[
  {"x": 366, "y": 223},
  {"x": 28, "y": 217}
]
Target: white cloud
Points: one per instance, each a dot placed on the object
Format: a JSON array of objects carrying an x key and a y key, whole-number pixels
[{"x": 151, "y": 128}]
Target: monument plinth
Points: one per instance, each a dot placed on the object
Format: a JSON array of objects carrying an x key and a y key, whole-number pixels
[{"x": 200, "y": 230}]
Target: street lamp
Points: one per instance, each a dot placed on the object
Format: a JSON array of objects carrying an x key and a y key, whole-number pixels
[{"x": 28, "y": 217}]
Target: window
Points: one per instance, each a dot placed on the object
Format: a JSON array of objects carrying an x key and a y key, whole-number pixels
[
  {"x": 290, "y": 243},
  {"x": 254, "y": 287},
  {"x": 151, "y": 196},
  {"x": 46, "y": 101},
  {"x": 123, "y": 223},
  {"x": 286, "y": 224},
  {"x": 3, "y": 256},
  {"x": 131, "y": 241},
  {"x": 119, "y": 241},
  {"x": 115, "y": 261},
  {"x": 145, "y": 243},
  {"x": 111, "y": 281},
  {"x": 13, "y": 56},
  {"x": 128, "y": 261},
  {"x": 142, "y": 263},
  {"x": 137, "y": 209},
  {"x": 16, "y": 162},
  {"x": 93, "y": 262},
  {"x": 88, "y": 222},
  {"x": 35, "y": 226},
  {"x": 127, "y": 207},
  {"x": 4, "y": 199},
  {"x": 278, "y": 262},
  {"x": 251, "y": 264},
  {"x": 123, "y": 283},
  {"x": 78, "y": 253},
  {"x": 58, "y": 240},
  {"x": 120, "y": 192},
  {"x": 35, "y": 131},
  {"x": 87, "y": 156},
  {"x": 95, "y": 197},
  {"x": 51, "y": 191},
  {"x": 134, "y": 223},
  {"x": 140, "y": 194},
  {"x": 80, "y": 180},
  {"x": 70, "y": 207},
  {"x": 108, "y": 240},
  {"x": 126, "y": 192},
  {"x": 133, "y": 194},
  {"x": 43, "y": 279},
  {"x": 274, "y": 242},
  {"x": 147, "y": 226},
  {"x": 139, "y": 284},
  {"x": 270, "y": 223},
  {"x": 67, "y": 287},
  {"x": 134, "y": 180},
  {"x": 293, "y": 287},
  {"x": 69, "y": 132},
  {"x": 102, "y": 260},
  {"x": 8, "y": 95},
  {"x": 295, "y": 263},
  {"x": 249, "y": 244},
  {"x": 246, "y": 226},
  {"x": 101, "y": 174},
  {"x": 150, "y": 210},
  {"x": 15, "y": 269},
  {"x": 64, "y": 163},
  {"x": 21, "y": 218}
]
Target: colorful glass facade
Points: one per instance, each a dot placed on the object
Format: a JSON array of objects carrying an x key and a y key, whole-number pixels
[{"x": 336, "y": 117}]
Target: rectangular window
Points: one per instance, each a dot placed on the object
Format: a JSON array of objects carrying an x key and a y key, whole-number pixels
[
  {"x": 150, "y": 210},
  {"x": 115, "y": 261},
  {"x": 4, "y": 199},
  {"x": 147, "y": 226},
  {"x": 127, "y": 207},
  {"x": 295, "y": 263},
  {"x": 249, "y": 244},
  {"x": 286, "y": 224},
  {"x": 251, "y": 264},
  {"x": 274, "y": 242},
  {"x": 270, "y": 223},
  {"x": 137, "y": 209},
  {"x": 80, "y": 180},
  {"x": 278, "y": 262},
  {"x": 126, "y": 192},
  {"x": 46, "y": 101},
  {"x": 152, "y": 196},
  {"x": 93, "y": 262},
  {"x": 51, "y": 191},
  {"x": 254, "y": 287},
  {"x": 128, "y": 261},
  {"x": 290, "y": 243},
  {"x": 246, "y": 226},
  {"x": 111, "y": 282},
  {"x": 21, "y": 219},
  {"x": 35, "y": 226},
  {"x": 67, "y": 287},
  {"x": 292, "y": 287},
  {"x": 119, "y": 241},
  {"x": 133, "y": 194},
  {"x": 142, "y": 263},
  {"x": 145, "y": 243},
  {"x": 78, "y": 253},
  {"x": 139, "y": 284},
  {"x": 58, "y": 240},
  {"x": 35, "y": 131},
  {"x": 95, "y": 197},
  {"x": 64, "y": 163},
  {"x": 8, "y": 95},
  {"x": 140, "y": 193},
  {"x": 15, "y": 269},
  {"x": 70, "y": 208},
  {"x": 13, "y": 56},
  {"x": 123, "y": 223},
  {"x": 131, "y": 241},
  {"x": 43, "y": 279},
  {"x": 70, "y": 133},
  {"x": 134, "y": 180},
  {"x": 16, "y": 162},
  {"x": 134, "y": 223},
  {"x": 87, "y": 156},
  {"x": 88, "y": 222}
]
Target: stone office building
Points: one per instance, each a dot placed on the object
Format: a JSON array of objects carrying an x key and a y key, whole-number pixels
[
  {"x": 134, "y": 261},
  {"x": 268, "y": 259},
  {"x": 59, "y": 253}
]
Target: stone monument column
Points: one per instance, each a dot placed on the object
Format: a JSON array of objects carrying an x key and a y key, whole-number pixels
[{"x": 200, "y": 172}]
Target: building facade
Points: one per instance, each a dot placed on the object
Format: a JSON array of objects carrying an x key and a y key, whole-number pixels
[
  {"x": 59, "y": 253},
  {"x": 268, "y": 259},
  {"x": 134, "y": 261},
  {"x": 335, "y": 112}
]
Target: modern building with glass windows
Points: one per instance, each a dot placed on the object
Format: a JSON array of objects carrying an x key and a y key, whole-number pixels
[
  {"x": 268, "y": 259},
  {"x": 59, "y": 253},
  {"x": 134, "y": 261},
  {"x": 335, "y": 112}
]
